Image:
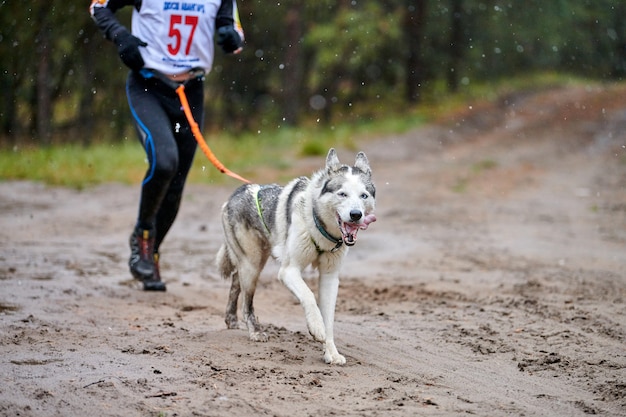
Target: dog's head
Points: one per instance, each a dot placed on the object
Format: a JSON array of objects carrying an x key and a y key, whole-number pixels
[{"x": 349, "y": 195}]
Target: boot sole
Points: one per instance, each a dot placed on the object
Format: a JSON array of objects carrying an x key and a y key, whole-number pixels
[{"x": 154, "y": 286}]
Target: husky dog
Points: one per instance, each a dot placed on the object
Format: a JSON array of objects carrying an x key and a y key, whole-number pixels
[{"x": 310, "y": 221}]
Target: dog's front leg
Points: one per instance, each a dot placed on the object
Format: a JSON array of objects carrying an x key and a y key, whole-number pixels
[
  {"x": 291, "y": 276},
  {"x": 329, "y": 287}
]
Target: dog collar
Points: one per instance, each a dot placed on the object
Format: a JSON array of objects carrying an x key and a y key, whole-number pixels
[{"x": 324, "y": 232}]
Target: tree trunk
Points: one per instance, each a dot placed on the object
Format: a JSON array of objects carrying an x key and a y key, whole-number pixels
[
  {"x": 293, "y": 72},
  {"x": 85, "y": 109},
  {"x": 413, "y": 23},
  {"x": 619, "y": 67},
  {"x": 44, "y": 95},
  {"x": 456, "y": 44},
  {"x": 9, "y": 116}
]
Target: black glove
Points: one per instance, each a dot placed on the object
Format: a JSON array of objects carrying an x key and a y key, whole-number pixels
[
  {"x": 228, "y": 39},
  {"x": 128, "y": 49}
]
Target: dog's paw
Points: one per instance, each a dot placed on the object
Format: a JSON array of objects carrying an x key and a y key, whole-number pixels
[
  {"x": 231, "y": 321},
  {"x": 317, "y": 330},
  {"x": 334, "y": 358},
  {"x": 259, "y": 337},
  {"x": 331, "y": 355}
]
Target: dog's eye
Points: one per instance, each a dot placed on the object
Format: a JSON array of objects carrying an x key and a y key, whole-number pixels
[
  {"x": 364, "y": 196},
  {"x": 342, "y": 194}
]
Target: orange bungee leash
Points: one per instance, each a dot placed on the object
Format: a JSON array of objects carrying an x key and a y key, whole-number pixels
[{"x": 195, "y": 129}]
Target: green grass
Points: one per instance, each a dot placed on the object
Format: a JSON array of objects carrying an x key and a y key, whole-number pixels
[
  {"x": 437, "y": 103},
  {"x": 73, "y": 165},
  {"x": 267, "y": 150},
  {"x": 76, "y": 166},
  {"x": 484, "y": 165},
  {"x": 462, "y": 183}
]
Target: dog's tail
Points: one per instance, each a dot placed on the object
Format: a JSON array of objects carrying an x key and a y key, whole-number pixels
[
  {"x": 224, "y": 263},
  {"x": 224, "y": 258}
]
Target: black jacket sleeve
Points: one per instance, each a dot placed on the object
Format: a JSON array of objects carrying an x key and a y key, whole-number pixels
[
  {"x": 103, "y": 13},
  {"x": 225, "y": 14}
]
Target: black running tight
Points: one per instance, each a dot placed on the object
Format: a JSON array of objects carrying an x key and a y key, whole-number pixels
[{"x": 169, "y": 144}]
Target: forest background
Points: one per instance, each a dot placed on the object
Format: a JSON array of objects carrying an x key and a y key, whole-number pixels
[{"x": 304, "y": 62}]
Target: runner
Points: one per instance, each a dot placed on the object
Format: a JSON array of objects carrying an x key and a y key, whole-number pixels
[{"x": 174, "y": 38}]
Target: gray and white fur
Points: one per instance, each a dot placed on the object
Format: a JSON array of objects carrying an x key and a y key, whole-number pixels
[{"x": 310, "y": 221}]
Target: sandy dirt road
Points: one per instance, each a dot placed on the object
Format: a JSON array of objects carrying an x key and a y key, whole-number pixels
[{"x": 492, "y": 284}]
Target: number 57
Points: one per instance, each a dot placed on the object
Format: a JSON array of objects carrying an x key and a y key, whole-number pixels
[{"x": 175, "y": 21}]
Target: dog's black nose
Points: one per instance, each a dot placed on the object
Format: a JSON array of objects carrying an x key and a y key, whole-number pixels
[{"x": 355, "y": 215}]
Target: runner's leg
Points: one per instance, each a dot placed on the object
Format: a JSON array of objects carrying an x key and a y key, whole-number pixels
[
  {"x": 186, "y": 150},
  {"x": 156, "y": 135}
]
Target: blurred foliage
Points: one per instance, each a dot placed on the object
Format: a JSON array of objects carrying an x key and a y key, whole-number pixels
[
  {"x": 266, "y": 155},
  {"x": 304, "y": 62}
]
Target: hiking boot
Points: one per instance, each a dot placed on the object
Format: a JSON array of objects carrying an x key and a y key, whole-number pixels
[
  {"x": 155, "y": 284},
  {"x": 142, "y": 260}
]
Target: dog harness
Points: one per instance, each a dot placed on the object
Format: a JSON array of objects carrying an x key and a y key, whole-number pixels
[
  {"x": 318, "y": 224},
  {"x": 259, "y": 210}
]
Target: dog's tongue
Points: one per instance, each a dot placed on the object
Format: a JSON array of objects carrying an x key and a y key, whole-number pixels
[
  {"x": 370, "y": 218},
  {"x": 350, "y": 230}
]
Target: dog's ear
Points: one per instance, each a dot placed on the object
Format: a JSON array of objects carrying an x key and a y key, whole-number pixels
[
  {"x": 363, "y": 164},
  {"x": 332, "y": 161}
]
